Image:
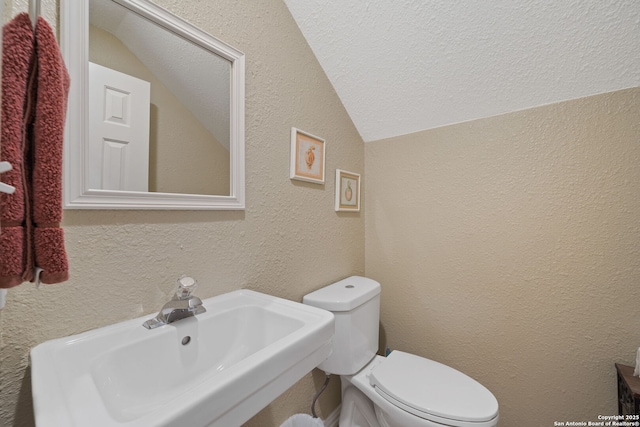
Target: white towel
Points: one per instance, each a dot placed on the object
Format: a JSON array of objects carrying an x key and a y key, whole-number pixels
[{"x": 636, "y": 372}]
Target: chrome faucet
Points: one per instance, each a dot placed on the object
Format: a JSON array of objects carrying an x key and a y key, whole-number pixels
[{"x": 182, "y": 305}]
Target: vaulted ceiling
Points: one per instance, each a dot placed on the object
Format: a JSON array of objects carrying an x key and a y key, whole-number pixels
[{"x": 402, "y": 66}]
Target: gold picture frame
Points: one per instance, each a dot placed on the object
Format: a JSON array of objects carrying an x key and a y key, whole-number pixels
[
  {"x": 347, "y": 191},
  {"x": 307, "y": 157}
]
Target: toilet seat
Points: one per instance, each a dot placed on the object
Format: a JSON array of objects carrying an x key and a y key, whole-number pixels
[{"x": 433, "y": 391}]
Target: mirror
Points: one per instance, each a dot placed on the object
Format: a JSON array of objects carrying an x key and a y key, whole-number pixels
[{"x": 156, "y": 110}]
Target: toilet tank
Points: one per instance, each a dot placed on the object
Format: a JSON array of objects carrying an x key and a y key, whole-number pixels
[{"x": 355, "y": 303}]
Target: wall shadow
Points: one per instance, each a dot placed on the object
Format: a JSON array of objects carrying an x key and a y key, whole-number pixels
[{"x": 24, "y": 406}]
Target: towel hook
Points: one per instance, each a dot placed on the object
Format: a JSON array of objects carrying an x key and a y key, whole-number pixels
[
  {"x": 6, "y": 188},
  {"x": 34, "y": 11}
]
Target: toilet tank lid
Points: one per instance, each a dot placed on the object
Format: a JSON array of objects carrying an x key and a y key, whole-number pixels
[{"x": 344, "y": 295}]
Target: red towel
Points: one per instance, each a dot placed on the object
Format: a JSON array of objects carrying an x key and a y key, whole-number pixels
[
  {"x": 35, "y": 85},
  {"x": 17, "y": 66},
  {"x": 48, "y": 132}
]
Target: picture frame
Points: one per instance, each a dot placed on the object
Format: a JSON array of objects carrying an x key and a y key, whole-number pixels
[
  {"x": 347, "y": 191},
  {"x": 307, "y": 157}
]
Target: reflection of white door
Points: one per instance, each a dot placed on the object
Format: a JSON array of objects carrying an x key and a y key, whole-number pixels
[{"x": 118, "y": 130}]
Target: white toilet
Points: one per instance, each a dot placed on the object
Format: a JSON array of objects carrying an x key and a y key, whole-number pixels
[{"x": 402, "y": 389}]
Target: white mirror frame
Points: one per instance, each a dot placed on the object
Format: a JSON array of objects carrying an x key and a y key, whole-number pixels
[{"x": 74, "y": 42}]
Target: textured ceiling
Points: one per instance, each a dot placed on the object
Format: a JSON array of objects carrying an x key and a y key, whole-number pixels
[{"x": 401, "y": 66}]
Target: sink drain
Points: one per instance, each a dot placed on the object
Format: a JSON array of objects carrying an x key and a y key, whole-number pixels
[{"x": 186, "y": 340}]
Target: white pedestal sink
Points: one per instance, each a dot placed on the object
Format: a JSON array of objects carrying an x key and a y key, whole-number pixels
[{"x": 216, "y": 369}]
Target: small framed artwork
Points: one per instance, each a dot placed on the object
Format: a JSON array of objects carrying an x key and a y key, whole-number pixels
[
  {"x": 307, "y": 157},
  {"x": 347, "y": 191}
]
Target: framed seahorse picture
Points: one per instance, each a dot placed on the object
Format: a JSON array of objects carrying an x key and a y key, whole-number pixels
[
  {"x": 307, "y": 157},
  {"x": 347, "y": 191}
]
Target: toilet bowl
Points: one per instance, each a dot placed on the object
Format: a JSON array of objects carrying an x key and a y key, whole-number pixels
[
  {"x": 402, "y": 389},
  {"x": 411, "y": 391}
]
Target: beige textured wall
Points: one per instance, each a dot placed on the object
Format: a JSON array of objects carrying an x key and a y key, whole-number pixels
[
  {"x": 509, "y": 248},
  {"x": 288, "y": 242}
]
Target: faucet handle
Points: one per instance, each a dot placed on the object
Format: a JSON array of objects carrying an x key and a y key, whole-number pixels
[{"x": 186, "y": 286}]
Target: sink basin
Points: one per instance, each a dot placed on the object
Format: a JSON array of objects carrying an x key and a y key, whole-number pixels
[{"x": 216, "y": 369}]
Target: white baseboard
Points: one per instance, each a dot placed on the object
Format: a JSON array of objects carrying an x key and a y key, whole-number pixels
[{"x": 333, "y": 418}]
